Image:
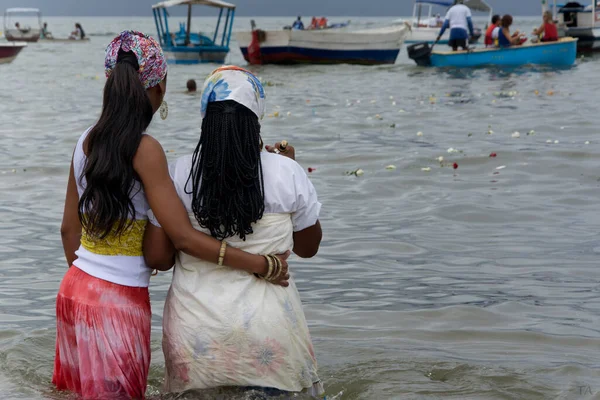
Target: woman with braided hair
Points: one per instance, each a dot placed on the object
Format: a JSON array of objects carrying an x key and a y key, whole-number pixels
[
  {"x": 222, "y": 328},
  {"x": 117, "y": 172}
]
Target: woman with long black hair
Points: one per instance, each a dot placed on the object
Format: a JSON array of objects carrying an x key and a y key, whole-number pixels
[
  {"x": 117, "y": 173},
  {"x": 222, "y": 327}
]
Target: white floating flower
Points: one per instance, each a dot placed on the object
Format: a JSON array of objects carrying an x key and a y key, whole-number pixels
[
  {"x": 501, "y": 167},
  {"x": 359, "y": 172},
  {"x": 548, "y": 141},
  {"x": 440, "y": 158},
  {"x": 516, "y": 135},
  {"x": 587, "y": 142},
  {"x": 452, "y": 150},
  {"x": 419, "y": 133},
  {"x": 393, "y": 103},
  {"x": 556, "y": 142},
  {"x": 426, "y": 169},
  {"x": 390, "y": 167}
]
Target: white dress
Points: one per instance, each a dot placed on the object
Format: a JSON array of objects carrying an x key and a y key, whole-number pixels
[{"x": 225, "y": 327}]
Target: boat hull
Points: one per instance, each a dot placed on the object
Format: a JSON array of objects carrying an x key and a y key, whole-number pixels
[
  {"x": 589, "y": 38},
  {"x": 194, "y": 56},
  {"x": 14, "y": 35},
  {"x": 8, "y": 52},
  {"x": 370, "y": 47},
  {"x": 561, "y": 53}
]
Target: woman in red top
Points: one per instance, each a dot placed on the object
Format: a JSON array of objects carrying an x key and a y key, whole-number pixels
[
  {"x": 489, "y": 39},
  {"x": 548, "y": 28}
]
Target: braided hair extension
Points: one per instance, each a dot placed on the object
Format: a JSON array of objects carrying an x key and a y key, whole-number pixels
[{"x": 227, "y": 180}]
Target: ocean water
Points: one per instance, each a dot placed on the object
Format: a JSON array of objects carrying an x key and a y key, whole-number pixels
[{"x": 479, "y": 282}]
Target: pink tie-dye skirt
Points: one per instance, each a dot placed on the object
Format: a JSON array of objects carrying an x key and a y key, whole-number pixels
[{"x": 102, "y": 338}]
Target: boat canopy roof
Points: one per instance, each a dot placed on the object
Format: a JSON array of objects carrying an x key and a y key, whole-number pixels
[
  {"x": 21, "y": 10},
  {"x": 475, "y": 5},
  {"x": 210, "y": 3}
]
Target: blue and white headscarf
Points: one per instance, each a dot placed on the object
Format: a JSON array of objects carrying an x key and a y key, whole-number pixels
[{"x": 237, "y": 84}]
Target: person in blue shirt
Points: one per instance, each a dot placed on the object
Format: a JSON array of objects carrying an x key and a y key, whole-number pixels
[
  {"x": 460, "y": 23},
  {"x": 298, "y": 24}
]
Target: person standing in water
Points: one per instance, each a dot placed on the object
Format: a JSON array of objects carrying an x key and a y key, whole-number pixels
[
  {"x": 458, "y": 20},
  {"x": 117, "y": 173},
  {"x": 222, "y": 328}
]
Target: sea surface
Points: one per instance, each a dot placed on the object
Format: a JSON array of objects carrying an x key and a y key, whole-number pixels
[{"x": 432, "y": 282}]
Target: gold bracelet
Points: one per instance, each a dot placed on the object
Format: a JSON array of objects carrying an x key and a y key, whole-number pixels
[
  {"x": 276, "y": 268},
  {"x": 222, "y": 252},
  {"x": 272, "y": 268}
]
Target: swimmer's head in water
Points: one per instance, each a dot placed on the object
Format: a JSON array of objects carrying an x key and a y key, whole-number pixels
[{"x": 191, "y": 85}]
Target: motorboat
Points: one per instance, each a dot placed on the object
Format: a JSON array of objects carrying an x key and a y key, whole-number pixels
[
  {"x": 560, "y": 53},
  {"x": 14, "y": 30},
  {"x": 322, "y": 46},
  {"x": 10, "y": 50}
]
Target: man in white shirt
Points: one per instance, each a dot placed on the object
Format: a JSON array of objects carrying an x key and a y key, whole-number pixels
[{"x": 459, "y": 21}]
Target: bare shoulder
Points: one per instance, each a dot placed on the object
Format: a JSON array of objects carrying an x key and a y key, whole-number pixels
[{"x": 149, "y": 151}]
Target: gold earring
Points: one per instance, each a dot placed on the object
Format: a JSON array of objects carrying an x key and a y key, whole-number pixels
[{"x": 164, "y": 110}]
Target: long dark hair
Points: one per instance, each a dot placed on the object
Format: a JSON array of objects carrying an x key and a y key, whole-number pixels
[
  {"x": 227, "y": 180},
  {"x": 105, "y": 206},
  {"x": 78, "y": 25}
]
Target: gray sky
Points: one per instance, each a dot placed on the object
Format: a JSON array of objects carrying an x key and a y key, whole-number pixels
[{"x": 352, "y": 8}]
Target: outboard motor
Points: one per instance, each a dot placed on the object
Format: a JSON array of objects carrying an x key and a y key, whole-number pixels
[{"x": 420, "y": 53}]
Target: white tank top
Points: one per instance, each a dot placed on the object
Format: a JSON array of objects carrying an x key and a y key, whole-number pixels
[{"x": 117, "y": 259}]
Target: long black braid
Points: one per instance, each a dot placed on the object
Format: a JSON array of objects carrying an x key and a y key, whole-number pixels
[{"x": 227, "y": 178}]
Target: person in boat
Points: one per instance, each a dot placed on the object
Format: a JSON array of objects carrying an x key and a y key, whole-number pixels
[
  {"x": 439, "y": 22},
  {"x": 45, "y": 34},
  {"x": 314, "y": 24},
  {"x": 491, "y": 34},
  {"x": 505, "y": 38},
  {"x": 298, "y": 24},
  {"x": 191, "y": 86},
  {"x": 117, "y": 173},
  {"x": 458, "y": 20},
  {"x": 322, "y": 23},
  {"x": 222, "y": 328},
  {"x": 22, "y": 30},
  {"x": 78, "y": 33},
  {"x": 548, "y": 29}
]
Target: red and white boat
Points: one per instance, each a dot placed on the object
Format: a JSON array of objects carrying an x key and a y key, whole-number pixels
[{"x": 10, "y": 50}]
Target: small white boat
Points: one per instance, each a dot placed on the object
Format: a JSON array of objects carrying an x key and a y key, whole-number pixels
[
  {"x": 14, "y": 31},
  {"x": 578, "y": 21},
  {"x": 426, "y": 28},
  {"x": 329, "y": 46}
]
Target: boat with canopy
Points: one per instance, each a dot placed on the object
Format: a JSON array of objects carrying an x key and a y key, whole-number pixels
[{"x": 187, "y": 47}]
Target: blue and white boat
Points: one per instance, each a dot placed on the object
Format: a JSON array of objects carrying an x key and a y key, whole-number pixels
[
  {"x": 561, "y": 53},
  {"x": 426, "y": 27},
  {"x": 187, "y": 47}
]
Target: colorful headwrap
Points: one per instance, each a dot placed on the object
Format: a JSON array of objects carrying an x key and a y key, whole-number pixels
[
  {"x": 152, "y": 62},
  {"x": 237, "y": 84}
]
